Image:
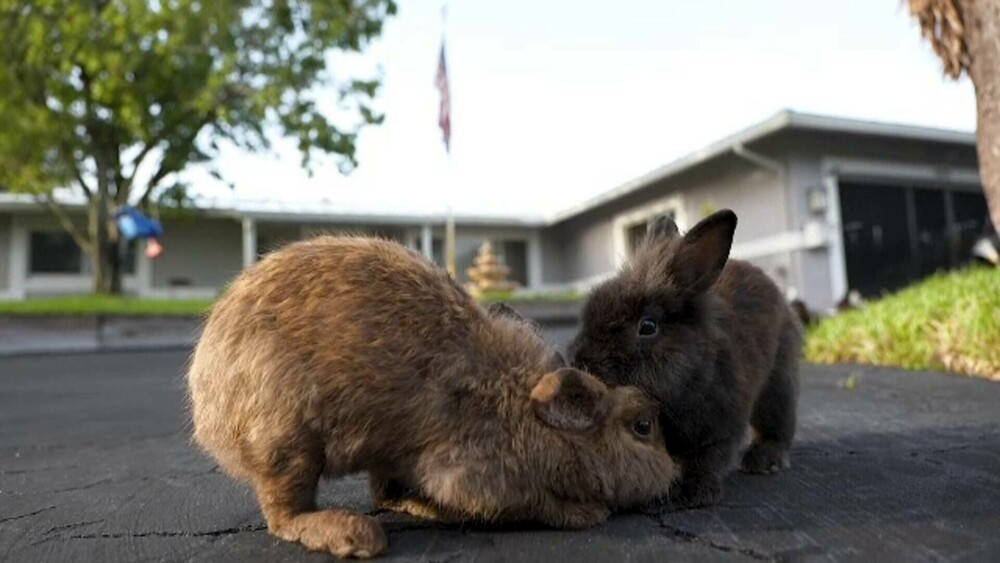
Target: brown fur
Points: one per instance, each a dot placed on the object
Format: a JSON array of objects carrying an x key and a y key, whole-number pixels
[
  {"x": 721, "y": 353},
  {"x": 340, "y": 355}
]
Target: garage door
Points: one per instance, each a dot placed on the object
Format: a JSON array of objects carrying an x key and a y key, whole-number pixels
[{"x": 895, "y": 235}]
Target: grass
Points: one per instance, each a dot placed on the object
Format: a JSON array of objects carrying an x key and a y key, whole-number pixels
[
  {"x": 948, "y": 322},
  {"x": 80, "y": 305},
  {"x": 527, "y": 297}
]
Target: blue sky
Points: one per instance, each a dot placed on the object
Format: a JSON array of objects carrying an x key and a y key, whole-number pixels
[{"x": 556, "y": 101}]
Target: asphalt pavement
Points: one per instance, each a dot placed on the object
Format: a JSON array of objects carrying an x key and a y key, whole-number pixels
[{"x": 96, "y": 465}]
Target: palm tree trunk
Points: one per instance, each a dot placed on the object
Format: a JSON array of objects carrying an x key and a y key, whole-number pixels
[{"x": 981, "y": 19}]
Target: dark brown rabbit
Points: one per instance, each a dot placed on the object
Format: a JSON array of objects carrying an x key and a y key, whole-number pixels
[
  {"x": 341, "y": 355},
  {"x": 713, "y": 340}
]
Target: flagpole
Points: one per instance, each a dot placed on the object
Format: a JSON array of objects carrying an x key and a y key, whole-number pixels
[
  {"x": 449, "y": 236},
  {"x": 449, "y": 229}
]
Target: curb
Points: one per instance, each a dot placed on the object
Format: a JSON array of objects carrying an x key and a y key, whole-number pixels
[
  {"x": 32, "y": 335},
  {"x": 22, "y": 335}
]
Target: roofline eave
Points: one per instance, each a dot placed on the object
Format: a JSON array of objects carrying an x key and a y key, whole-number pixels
[{"x": 785, "y": 119}]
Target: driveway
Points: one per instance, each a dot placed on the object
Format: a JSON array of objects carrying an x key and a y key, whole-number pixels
[{"x": 95, "y": 465}]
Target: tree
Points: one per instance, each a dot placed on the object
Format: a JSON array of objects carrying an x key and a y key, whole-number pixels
[
  {"x": 966, "y": 36},
  {"x": 112, "y": 99}
]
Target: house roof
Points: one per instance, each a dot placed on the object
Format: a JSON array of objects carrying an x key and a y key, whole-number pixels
[
  {"x": 783, "y": 120},
  {"x": 304, "y": 212},
  {"x": 327, "y": 211}
]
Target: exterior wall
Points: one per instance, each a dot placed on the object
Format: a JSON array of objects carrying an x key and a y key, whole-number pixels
[
  {"x": 469, "y": 238},
  {"x": 314, "y": 229},
  {"x": 586, "y": 248},
  {"x": 272, "y": 236},
  {"x": 202, "y": 254},
  {"x": 802, "y": 250},
  {"x": 38, "y": 285},
  {"x": 810, "y": 270},
  {"x": 553, "y": 257},
  {"x": 4, "y": 253},
  {"x": 903, "y": 151},
  {"x": 817, "y": 162},
  {"x": 756, "y": 195},
  {"x": 199, "y": 254}
]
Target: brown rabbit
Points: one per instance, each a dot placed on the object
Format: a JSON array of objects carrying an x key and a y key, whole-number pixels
[
  {"x": 715, "y": 342},
  {"x": 340, "y": 355}
]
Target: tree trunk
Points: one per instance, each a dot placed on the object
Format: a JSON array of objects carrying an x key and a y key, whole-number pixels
[
  {"x": 981, "y": 19},
  {"x": 115, "y": 253},
  {"x": 104, "y": 281},
  {"x": 100, "y": 257}
]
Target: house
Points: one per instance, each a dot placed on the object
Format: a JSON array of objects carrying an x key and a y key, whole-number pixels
[{"x": 825, "y": 205}]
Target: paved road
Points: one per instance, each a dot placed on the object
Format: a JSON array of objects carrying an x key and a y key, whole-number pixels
[{"x": 95, "y": 466}]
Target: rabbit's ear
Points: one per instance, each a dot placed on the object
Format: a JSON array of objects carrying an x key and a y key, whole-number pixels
[
  {"x": 703, "y": 253},
  {"x": 556, "y": 361},
  {"x": 568, "y": 399},
  {"x": 500, "y": 309},
  {"x": 662, "y": 228}
]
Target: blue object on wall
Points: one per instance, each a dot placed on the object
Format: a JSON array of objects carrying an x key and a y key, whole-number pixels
[{"x": 132, "y": 224}]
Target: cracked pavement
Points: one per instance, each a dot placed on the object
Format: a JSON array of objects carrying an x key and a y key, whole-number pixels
[{"x": 96, "y": 465}]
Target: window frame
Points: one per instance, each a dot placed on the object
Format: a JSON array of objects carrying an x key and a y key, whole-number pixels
[
  {"x": 625, "y": 222},
  {"x": 82, "y": 266}
]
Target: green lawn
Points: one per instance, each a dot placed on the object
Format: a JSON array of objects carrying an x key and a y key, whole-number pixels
[
  {"x": 948, "y": 322},
  {"x": 516, "y": 297},
  {"x": 105, "y": 305}
]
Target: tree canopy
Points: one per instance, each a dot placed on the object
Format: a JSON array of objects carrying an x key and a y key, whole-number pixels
[{"x": 114, "y": 98}]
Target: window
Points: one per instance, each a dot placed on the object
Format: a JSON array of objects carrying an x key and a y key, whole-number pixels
[
  {"x": 129, "y": 256},
  {"x": 264, "y": 246},
  {"x": 897, "y": 234},
  {"x": 55, "y": 253},
  {"x": 629, "y": 228},
  {"x": 437, "y": 251},
  {"x": 515, "y": 255},
  {"x": 972, "y": 220},
  {"x": 634, "y": 235}
]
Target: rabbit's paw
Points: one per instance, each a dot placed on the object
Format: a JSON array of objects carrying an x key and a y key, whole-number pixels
[
  {"x": 427, "y": 510},
  {"x": 338, "y": 532},
  {"x": 764, "y": 458}
]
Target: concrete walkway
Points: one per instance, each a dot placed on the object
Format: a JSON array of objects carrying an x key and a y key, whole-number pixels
[
  {"x": 44, "y": 334},
  {"x": 95, "y": 465}
]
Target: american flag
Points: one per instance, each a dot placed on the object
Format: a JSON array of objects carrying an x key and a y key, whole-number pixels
[{"x": 444, "y": 114}]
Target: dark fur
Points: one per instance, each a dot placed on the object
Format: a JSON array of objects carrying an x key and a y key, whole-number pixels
[
  {"x": 726, "y": 352},
  {"x": 341, "y": 355}
]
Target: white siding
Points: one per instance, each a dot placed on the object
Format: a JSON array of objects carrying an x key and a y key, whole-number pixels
[{"x": 201, "y": 252}]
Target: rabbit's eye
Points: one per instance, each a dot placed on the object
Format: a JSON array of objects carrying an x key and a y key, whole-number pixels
[
  {"x": 648, "y": 327},
  {"x": 642, "y": 427}
]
